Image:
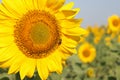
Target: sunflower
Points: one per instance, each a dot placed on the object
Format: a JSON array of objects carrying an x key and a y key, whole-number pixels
[
  {"x": 97, "y": 39},
  {"x": 108, "y": 41},
  {"x": 90, "y": 72},
  {"x": 97, "y": 32},
  {"x": 89, "y": 29},
  {"x": 86, "y": 53},
  {"x": 113, "y": 23},
  {"x": 37, "y": 35}
]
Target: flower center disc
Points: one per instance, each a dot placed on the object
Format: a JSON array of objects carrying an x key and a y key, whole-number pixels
[
  {"x": 37, "y": 34},
  {"x": 40, "y": 33},
  {"x": 86, "y": 53},
  {"x": 115, "y": 23}
]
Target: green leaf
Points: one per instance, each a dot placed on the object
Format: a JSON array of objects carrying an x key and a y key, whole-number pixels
[
  {"x": 118, "y": 72},
  {"x": 112, "y": 78},
  {"x": 5, "y": 78},
  {"x": 54, "y": 76}
]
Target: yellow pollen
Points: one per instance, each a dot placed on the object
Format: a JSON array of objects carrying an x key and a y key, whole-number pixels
[{"x": 37, "y": 34}]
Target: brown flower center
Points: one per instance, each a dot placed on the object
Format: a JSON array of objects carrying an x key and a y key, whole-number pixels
[
  {"x": 86, "y": 53},
  {"x": 115, "y": 22},
  {"x": 37, "y": 34}
]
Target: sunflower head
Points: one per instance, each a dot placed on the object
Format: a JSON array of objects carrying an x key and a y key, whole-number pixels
[
  {"x": 95, "y": 29},
  {"x": 37, "y": 34},
  {"x": 97, "y": 39},
  {"x": 86, "y": 53},
  {"x": 114, "y": 23},
  {"x": 90, "y": 73},
  {"x": 98, "y": 31},
  {"x": 108, "y": 41},
  {"x": 35, "y": 31}
]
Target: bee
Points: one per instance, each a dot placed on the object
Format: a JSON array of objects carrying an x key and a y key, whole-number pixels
[{"x": 60, "y": 41}]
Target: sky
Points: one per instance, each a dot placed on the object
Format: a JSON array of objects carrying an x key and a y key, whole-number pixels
[{"x": 96, "y": 12}]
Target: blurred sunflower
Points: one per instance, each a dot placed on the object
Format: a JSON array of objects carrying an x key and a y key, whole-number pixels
[
  {"x": 86, "y": 53},
  {"x": 90, "y": 73},
  {"x": 95, "y": 30},
  {"x": 89, "y": 28},
  {"x": 37, "y": 34},
  {"x": 98, "y": 32},
  {"x": 97, "y": 39},
  {"x": 113, "y": 23},
  {"x": 108, "y": 41}
]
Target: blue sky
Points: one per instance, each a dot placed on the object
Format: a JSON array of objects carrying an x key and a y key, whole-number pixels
[{"x": 96, "y": 11}]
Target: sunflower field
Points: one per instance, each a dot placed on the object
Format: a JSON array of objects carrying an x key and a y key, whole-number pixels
[{"x": 43, "y": 40}]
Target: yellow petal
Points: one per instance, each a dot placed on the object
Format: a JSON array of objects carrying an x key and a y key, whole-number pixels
[
  {"x": 15, "y": 6},
  {"x": 6, "y": 64},
  {"x": 3, "y": 16},
  {"x": 68, "y": 42},
  {"x": 9, "y": 13},
  {"x": 77, "y": 11},
  {"x": 15, "y": 66},
  {"x": 8, "y": 53},
  {"x": 4, "y": 35},
  {"x": 59, "y": 4},
  {"x": 42, "y": 4},
  {"x": 67, "y": 13},
  {"x": 57, "y": 59},
  {"x": 2, "y": 50},
  {"x": 27, "y": 68},
  {"x": 8, "y": 23},
  {"x": 6, "y": 30},
  {"x": 35, "y": 4},
  {"x": 29, "y": 4},
  {"x": 7, "y": 26},
  {"x": 76, "y": 38},
  {"x": 42, "y": 68},
  {"x": 77, "y": 31},
  {"x": 71, "y": 22},
  {"x": 32, "y": 69},
  {"x": 64, "y": 56},
  {"x": 67, "y": 6},
  {"x": 50, "y": 3},
  {"x": 6, "y": 59},
  {"x": 67, "y": 50},
  {"x": 6, "y": 41},
  {"x": 61, "y": 54},
  {"x": 52, "y": 67}
]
